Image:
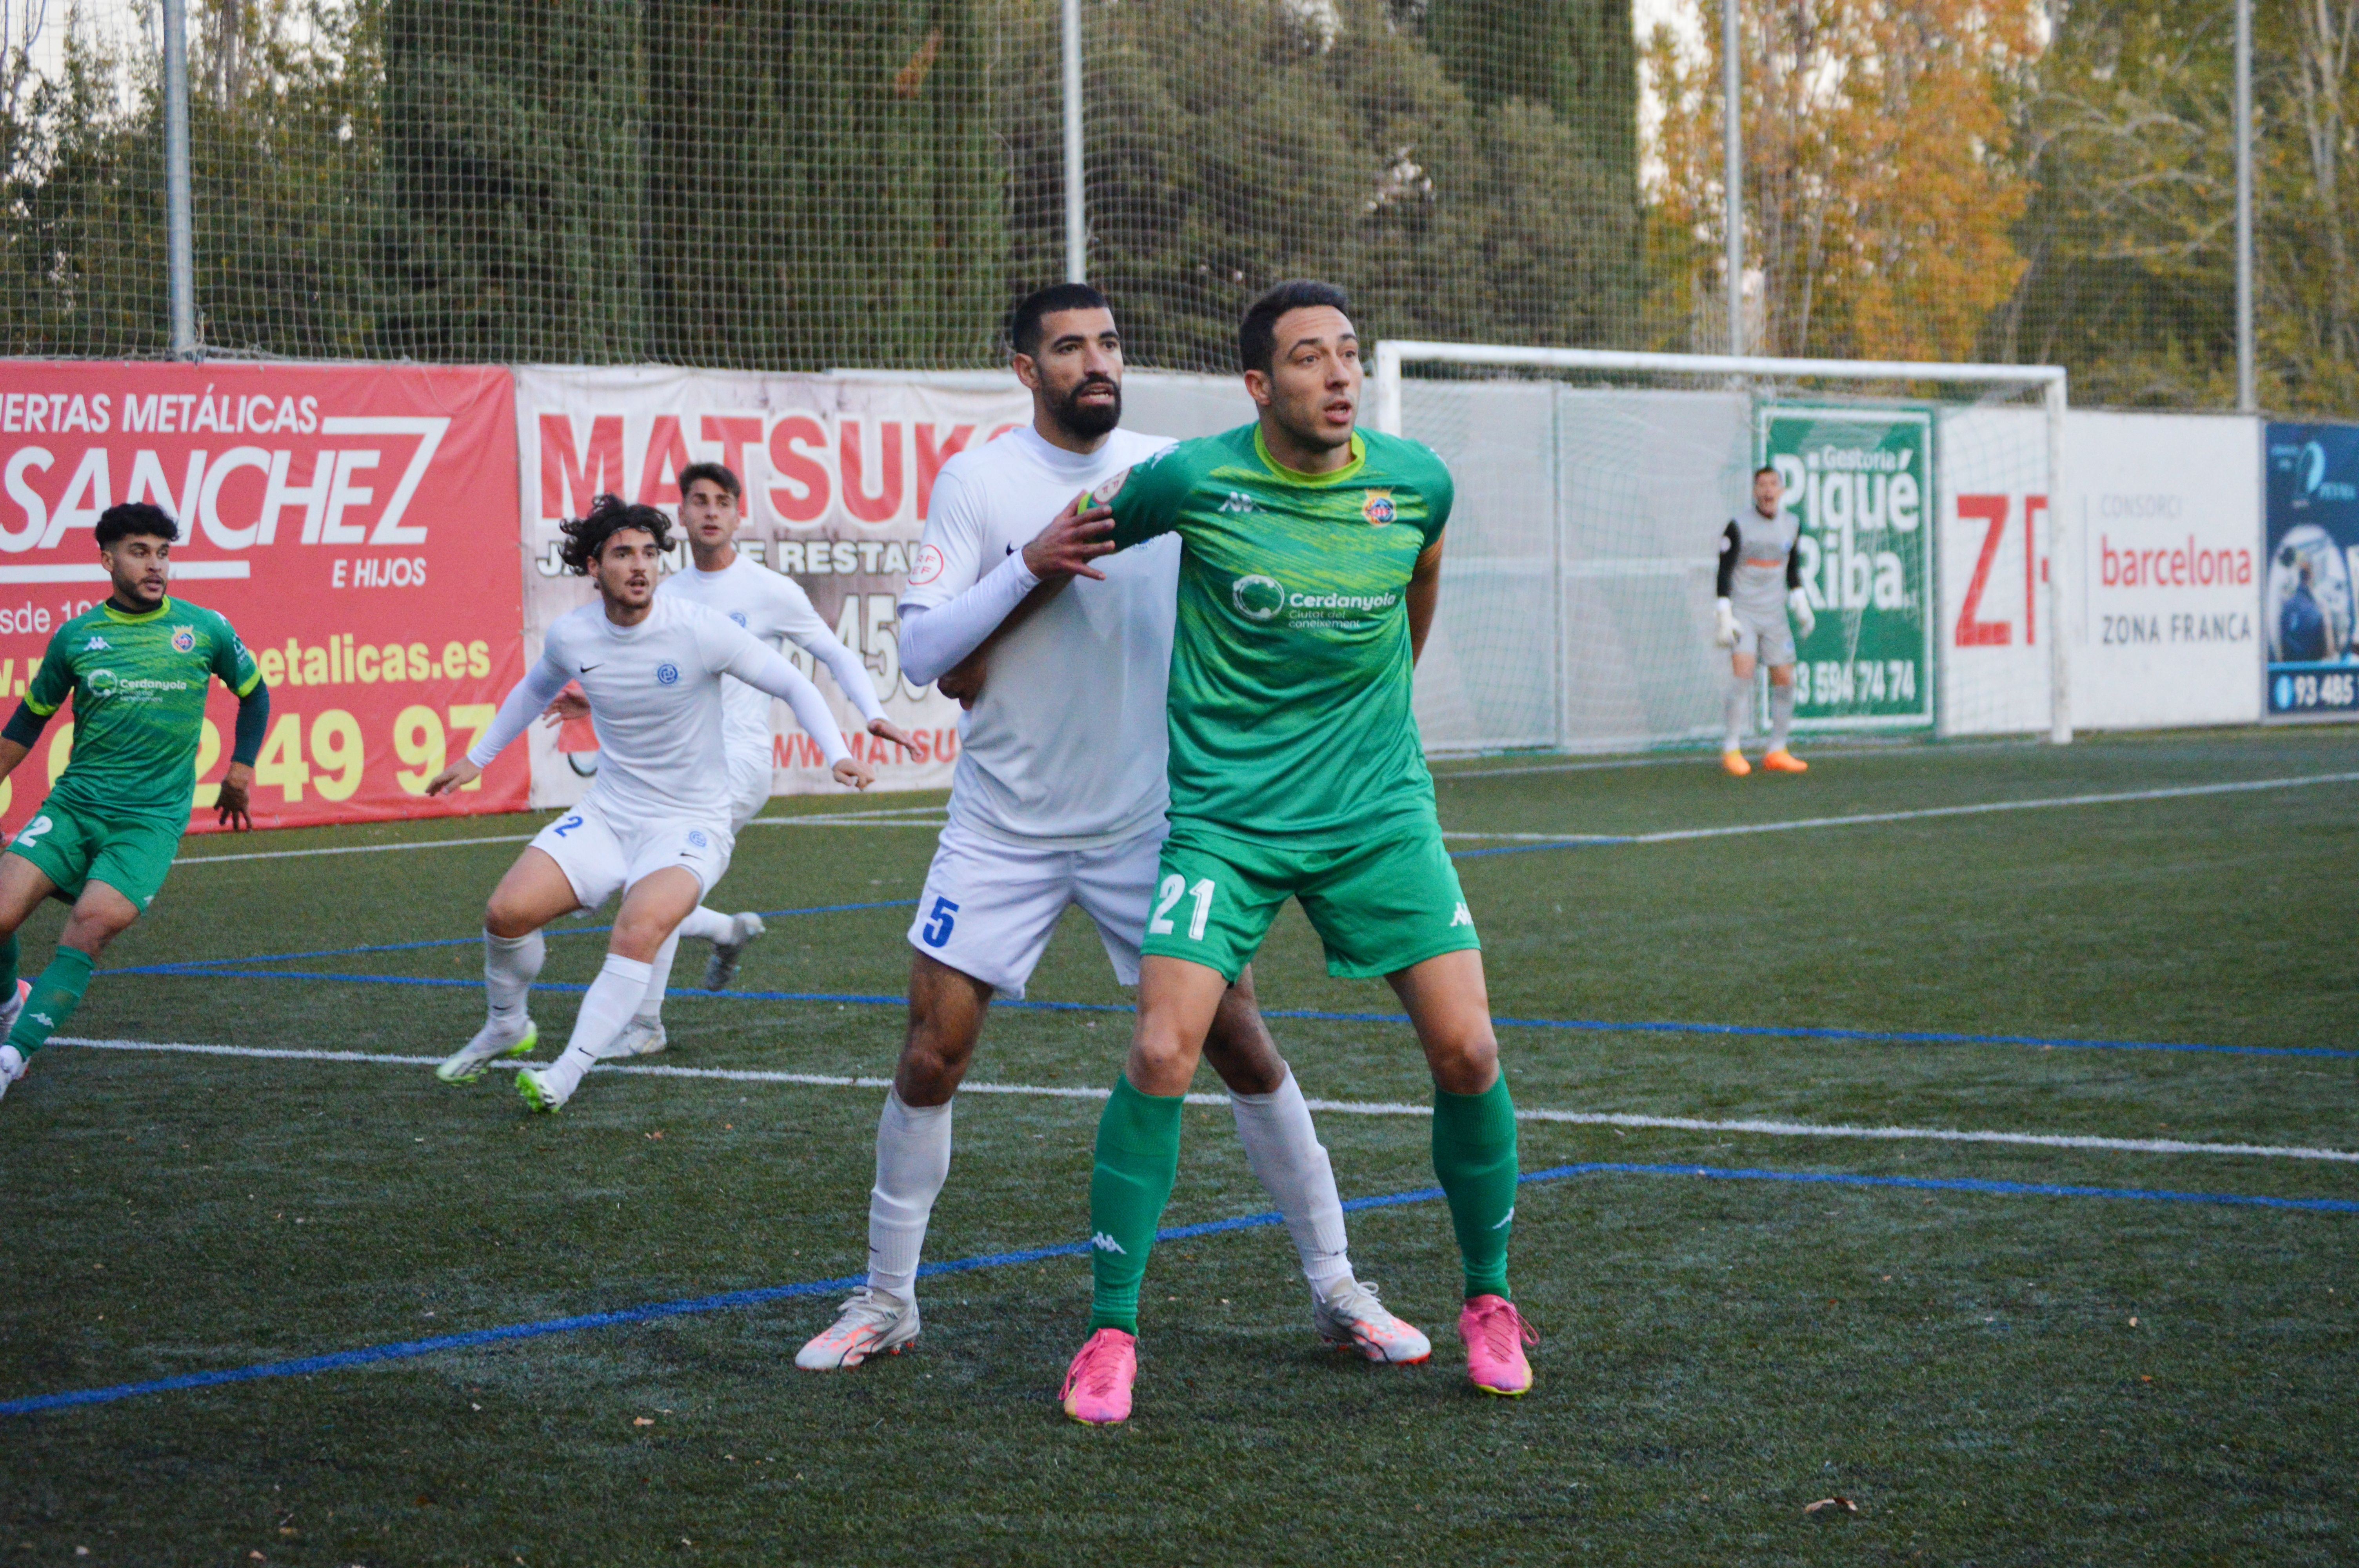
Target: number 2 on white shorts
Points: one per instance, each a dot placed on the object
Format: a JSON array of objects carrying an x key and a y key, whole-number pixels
[{"x": 1175, "y": 887}]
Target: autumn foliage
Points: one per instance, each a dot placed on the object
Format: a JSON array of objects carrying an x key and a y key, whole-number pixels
[{"x": 1880, "y": 187}]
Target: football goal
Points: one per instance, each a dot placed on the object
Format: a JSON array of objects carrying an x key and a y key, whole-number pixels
[{"x": 1592, "y": 490}]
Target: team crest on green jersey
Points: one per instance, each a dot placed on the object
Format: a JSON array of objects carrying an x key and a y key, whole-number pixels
[
  {"x": 1377, "y": 508},
  {"x": 184, "y": 638}
]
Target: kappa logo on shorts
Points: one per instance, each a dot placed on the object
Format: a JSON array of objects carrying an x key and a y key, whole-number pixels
[
  {"x": 184, "y": 638},
  {"x": 1462, "y": 917},
  {"x": 666, "y": 674}
]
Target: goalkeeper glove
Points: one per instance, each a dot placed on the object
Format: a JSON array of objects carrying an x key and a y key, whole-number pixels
[
  {"x": 1724, "y": 630},
  {"x": 1805, "y": 620}
]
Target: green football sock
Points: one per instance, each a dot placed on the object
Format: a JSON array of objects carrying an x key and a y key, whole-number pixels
[
  {"x": 55, "y": 996},
  {"x": 1474, "y": 1155},
  {"x": 1137, "y": 1160}
]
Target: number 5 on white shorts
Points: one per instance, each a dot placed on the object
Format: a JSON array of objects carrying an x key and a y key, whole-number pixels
[{"x": 1175, "y": 887}]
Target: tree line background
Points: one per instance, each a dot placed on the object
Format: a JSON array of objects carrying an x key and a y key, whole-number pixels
[{"x": 800, "y": 184}]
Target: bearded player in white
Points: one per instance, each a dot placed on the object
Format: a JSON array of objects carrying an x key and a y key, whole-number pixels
[
  {"x": 656, "y": 825},
  {"x": 774, "y": 608},
  {"x": 1058, "y": 799}
]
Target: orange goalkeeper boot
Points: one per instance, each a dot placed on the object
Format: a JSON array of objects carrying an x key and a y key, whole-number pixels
[
  {"x": 1782, "y": 761},
  {"x": 1733, "y": 761}
]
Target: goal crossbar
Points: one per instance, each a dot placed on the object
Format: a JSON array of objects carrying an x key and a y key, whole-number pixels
[{"x": 1393, "y": 354}]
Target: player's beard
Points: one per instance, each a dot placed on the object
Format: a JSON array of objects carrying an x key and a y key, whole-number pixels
[{"x": 1087, "y": 422}]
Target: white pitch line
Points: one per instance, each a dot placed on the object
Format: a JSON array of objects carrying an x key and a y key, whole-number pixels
[
  {"x": 1673, "y": 836},
  {"x": 1677, "y": 834},
  {"x": 1701, "y": 757},
  {"x": 1757, "y": 1127}
]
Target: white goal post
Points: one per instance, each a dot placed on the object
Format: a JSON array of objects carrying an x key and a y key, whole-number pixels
[{"x": 1394, "y": 414}]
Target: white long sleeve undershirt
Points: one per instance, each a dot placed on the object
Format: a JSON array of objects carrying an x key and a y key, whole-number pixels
[
  {"x": 934, "y": 640},
  {"x": 850, "y": 673},
  {"x": 755, "y": 665}
]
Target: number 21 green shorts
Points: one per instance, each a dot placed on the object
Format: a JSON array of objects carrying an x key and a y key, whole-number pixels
[{"x": 1378, "y": 907}]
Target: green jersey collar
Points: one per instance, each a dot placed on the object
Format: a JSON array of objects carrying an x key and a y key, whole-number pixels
[
  {"x": 1296, "y": 476},
  {"x": 161, "y": 610}
]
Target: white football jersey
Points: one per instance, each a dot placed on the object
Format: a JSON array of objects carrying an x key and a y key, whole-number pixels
[
  {"x": 769, "y": 605},
  {"x": 1066, "y": 745},
  {"x": 655, "y": 692}
]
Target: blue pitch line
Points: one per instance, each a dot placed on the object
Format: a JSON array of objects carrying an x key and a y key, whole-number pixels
[
  {"x": 733, "y": 1301},
  {"x": 206, "y": 970},
  {"x": 189, "y": 965}
]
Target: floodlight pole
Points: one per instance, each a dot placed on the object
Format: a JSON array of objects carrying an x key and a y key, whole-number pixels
[
  {"x": 180, "y": 246},
  {"x": 1077, "y": 240},
  {"x": 2247, "y": 392},
  {"x": 1731, "y": 173}
]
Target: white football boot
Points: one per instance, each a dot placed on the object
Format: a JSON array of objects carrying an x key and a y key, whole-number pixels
[
  {"x": 537, "y": 1093},
  {"x": 640, "y": 1037},
  {"x": 469, "y": 1062},
  {"x": 12, "y": 1007},
  {"x": 873, "y": 1323},
  {"x": 1355, "y": 1320},
  {"x": 11, "y": 1067},
  {"x": 722, "y": 968}
]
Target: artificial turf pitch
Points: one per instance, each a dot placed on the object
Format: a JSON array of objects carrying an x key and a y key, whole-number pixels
[{"x": 1992, "y": 1376}]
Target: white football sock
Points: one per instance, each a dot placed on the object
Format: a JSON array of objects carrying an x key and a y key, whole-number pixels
[
  {"x": 707, "y": 924},
  {"x": 605, "y": 1008},
  {"x": 510, "y": 966},
  {"x": 658, "y": 978},
  {"x": 1781, "y": 716},
  {"x": 1737, "y": 709},
  {"x": 913, "y": 1159},
  {"x": 1286, "y": 1158}
]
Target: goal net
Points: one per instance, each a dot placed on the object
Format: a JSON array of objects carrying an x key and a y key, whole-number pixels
[{"x": 1592, "y": 491}]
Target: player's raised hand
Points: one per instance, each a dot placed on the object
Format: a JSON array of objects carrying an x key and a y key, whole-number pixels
[
  {"x": 234, "y": 814},
  {"x": 568, "y": 704},
  {"x": 1073, "y": 539},
  {"x": 853, "y": 774},
  {"x": 458, "y": 775},
  {"x": 884, "y": 728}
]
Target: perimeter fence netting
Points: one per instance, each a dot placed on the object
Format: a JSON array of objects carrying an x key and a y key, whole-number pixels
[{"x": 812, "y": 184}]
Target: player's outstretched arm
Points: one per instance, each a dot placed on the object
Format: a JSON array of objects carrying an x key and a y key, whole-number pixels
[
  {"x": 762, "y": 667},
  {"x": 234, "y": 808},
  {"x": 1424, "y": 594},
  {"x": 536, "y": 691}
]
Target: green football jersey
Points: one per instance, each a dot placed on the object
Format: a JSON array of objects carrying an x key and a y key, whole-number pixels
[
  {"x": 139, "y": 686},
  {"x": 1290, "y": 668}
]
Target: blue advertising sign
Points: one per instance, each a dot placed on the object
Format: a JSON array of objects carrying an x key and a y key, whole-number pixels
[{"x": 2308, "y": 605}]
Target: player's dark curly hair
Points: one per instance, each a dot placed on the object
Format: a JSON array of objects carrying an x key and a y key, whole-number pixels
[
  {"x": 145, "y": 518},
  {"x": 1258, "y": 333},
  {"x": 609, "y": 516}
]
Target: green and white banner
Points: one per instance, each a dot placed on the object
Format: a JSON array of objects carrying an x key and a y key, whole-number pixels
[{"x": 1860, "y": 483}]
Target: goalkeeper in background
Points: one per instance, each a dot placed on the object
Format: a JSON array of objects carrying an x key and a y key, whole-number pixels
[
  {"x": 137, "y": 668},
  {"x": 1760, "y": 582}
]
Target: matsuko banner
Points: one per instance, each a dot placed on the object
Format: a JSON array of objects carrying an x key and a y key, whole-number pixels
[{"x": 356, "y": 526}]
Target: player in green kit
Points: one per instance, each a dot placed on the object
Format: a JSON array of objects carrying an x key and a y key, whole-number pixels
[
  {"x": 137, "y": 668},
  {"x": 1310, "y": 562}
]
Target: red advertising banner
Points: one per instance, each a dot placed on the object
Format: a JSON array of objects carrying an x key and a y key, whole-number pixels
[{"x": 356, "y": 523}]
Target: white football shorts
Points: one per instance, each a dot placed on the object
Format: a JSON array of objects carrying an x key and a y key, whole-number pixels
[
  {"x": 601, "y": 855},
  {"x": 990, "y": 906},
  {"x": 749, "y": 788},
  {"x": 1767, "y": 636}
]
